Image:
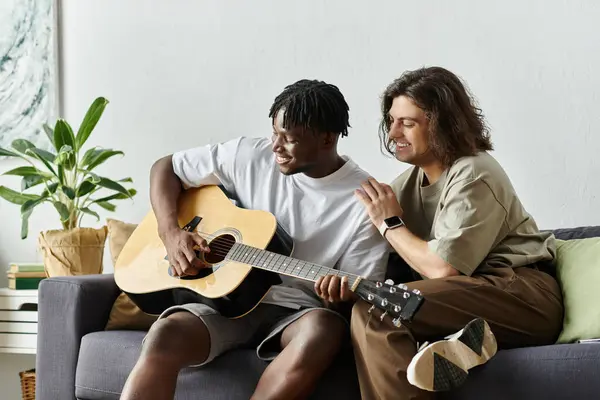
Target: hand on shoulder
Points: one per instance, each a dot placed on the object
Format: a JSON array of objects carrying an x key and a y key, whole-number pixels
[{"x": 379, "y": 200}]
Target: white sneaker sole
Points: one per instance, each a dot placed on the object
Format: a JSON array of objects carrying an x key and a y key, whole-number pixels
[{"x": 444, "y": 365}]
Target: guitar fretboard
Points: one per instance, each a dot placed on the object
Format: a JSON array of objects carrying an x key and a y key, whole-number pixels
[{"x": 281, "y": 264}]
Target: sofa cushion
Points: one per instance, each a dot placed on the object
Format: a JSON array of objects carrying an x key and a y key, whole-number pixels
[
  {"x": 124, "y": 313},
  {"x": 565, "y": 371},
  {"x": 578, "y": 273},
  {"x": 107, "y": 357},
  {"x": 581, "y": 232}
]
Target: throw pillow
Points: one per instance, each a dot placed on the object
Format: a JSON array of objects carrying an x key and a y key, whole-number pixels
[
  {"x": 578, "y": 273},
  {"x": 124, "y": 313}
]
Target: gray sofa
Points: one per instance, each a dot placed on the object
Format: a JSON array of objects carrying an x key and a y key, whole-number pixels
[{"x": 77, "y": 359}]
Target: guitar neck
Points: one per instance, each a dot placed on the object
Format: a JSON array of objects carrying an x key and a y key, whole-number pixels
[{"x": 285, "y": 265}]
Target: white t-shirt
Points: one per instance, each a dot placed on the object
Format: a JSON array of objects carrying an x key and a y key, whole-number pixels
[{"x": 328, "y": 224}]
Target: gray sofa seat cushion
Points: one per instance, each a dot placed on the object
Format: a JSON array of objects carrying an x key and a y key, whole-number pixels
[
  {"x": 106, "y": 358},
  {"x": 566, "y": 371},
  {"x": 552, "y": 372}
]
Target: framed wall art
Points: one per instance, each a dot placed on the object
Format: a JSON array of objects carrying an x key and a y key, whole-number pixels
[{"x": 28, "y": 70}]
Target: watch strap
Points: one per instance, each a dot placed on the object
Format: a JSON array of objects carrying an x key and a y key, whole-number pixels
[{"x": 384, "y": 226}]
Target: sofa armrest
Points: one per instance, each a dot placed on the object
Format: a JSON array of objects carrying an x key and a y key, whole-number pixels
[{"x": 68, "y": 308}]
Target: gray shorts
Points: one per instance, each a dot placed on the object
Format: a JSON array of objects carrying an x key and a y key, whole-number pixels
[{"x": 261, "y": 328}]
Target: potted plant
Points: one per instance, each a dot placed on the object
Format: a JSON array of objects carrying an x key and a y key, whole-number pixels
[{"x": 64, "y": 178}]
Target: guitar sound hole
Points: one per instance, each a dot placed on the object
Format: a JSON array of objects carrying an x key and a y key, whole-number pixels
[{"x": 219, "y": 247}]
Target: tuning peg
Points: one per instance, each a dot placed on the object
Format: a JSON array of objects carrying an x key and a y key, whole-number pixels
[
  {"x": 378, "y": 284},
  {"x": 384, "y": 302},
  {"x": 389, "y": 282},
  {"x": 371, "y": 309},
  {"x": 396, "y": 322},
  {"x": 402, "y": 286},
  {"x": 416, "y": 291},
  {"x": 370, "y": 297},
  {"x": 383, "y": 316},
  {"x": 392, "y": 289},
  {"x": 406, "y": 295},
  {"x": 397, "y": 309}
]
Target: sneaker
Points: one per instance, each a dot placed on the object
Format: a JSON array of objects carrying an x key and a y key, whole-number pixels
[{"x": 444, "y": 365}]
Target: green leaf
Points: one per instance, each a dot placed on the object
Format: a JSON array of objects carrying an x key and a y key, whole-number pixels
[
  {"x": 85, "y": 188},
  {"x": 21, "y": 145},
  {"x": 63, "y": 134},
  {"x": 118, "y": 196},
  {"x": 31, "y": 181},
  {"x": 29, "y": 205},
  {"x": 107, "y": 206},
  {"x": 25, "y": 223},
  {"x": 51, "y": 189},
  {"x": 16, "y": 197},
  {"x": 90, "y": 120},
  {"x": 66, "y": 157},
  {"x": 68, "y": 191},
  {"x": 91, "y": 212},
  {"x": 107, "y": 183},
  {"x": 46, "y": 155},
  {"x": 99, "y": 157},
  {"x": 89, "y": 175},
  {"x": 24, "y": 171},
  {"x": 89, "y": 155},
  {"x": 95, "y": 178},
  {"x": 62, "y": 210},
  {"x": 7, "y": 153},
  {"x": 31, "y": 176},
  {"x": 61, "y": 174},
  {"x": 42, "y": 156},
  {"x": 128, "y": 179},
  {"x": 49, "y": 132}
]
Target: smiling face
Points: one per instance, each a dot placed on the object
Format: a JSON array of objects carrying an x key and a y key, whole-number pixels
[
  {"x": 409, "y": 132},
  {"x": 296, "y": 149}
]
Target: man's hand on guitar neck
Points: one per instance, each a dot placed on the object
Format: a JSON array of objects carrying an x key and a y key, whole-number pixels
[
  {"x": 334, "y": 289},
  {"x": 180, "y": 246}
]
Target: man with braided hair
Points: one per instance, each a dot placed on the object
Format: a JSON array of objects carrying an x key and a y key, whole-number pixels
[{"x": 298, "y": 176}]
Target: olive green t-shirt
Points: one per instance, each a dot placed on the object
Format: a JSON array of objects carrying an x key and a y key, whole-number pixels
[{"x": 472, "y": 217}]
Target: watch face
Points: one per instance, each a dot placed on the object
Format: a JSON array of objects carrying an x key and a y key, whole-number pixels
[{"x": 393, "y": 221}]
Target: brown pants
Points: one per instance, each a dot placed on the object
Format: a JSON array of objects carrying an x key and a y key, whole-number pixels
[{"x": 523, "y": 307}]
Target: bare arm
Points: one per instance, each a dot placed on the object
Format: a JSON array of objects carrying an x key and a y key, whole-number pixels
[
  {"x": 380, "y": 202},
  {"x": 165, "y": 188},
  {"x": 417, "y": 254}
]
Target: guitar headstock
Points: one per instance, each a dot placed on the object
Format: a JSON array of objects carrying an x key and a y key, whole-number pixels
[{"x": 395, "y": 301}]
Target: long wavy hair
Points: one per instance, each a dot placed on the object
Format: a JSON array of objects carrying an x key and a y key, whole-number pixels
[{"x": 457, "y": 127}]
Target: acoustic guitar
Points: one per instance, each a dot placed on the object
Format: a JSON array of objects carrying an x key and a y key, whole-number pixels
[{"x": 248, "y": 252}]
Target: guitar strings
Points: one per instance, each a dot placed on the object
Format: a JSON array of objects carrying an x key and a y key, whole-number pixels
[{"x": 225, "y": 244}]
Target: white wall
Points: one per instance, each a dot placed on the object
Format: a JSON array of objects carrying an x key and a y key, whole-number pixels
[
  {"x": 183, "y": 73},
  {"x": 187, "y": 72}
]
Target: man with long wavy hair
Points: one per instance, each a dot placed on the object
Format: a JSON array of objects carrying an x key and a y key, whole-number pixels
[{"x": 477, "y": 256}]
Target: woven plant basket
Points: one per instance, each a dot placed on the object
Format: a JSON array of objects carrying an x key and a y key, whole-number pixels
[
  {"x": 28, "y": 384},
  {"x": 72, "y": 252}
]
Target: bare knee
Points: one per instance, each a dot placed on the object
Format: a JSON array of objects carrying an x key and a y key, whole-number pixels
[
  {"x": 169, "y": 340},
  {"x": 320, "y": 332}
]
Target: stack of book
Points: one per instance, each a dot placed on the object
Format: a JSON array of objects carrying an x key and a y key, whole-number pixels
[{"x": 25, "y": 276}]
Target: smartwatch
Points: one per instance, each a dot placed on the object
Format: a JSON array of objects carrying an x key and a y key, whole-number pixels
[{"x": 390, "y": 223}]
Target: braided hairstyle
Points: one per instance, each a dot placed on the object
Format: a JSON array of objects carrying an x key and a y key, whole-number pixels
[{"x": 313, "y": 105}]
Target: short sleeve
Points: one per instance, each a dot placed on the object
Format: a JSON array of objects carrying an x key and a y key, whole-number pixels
[
  {"x": 368, "y": 253},
  {"x": 467, "y": 227},
  {"x": 211, "y": 164}
]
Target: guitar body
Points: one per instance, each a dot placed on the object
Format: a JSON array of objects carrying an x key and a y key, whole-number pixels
[{"x": 232, "y": 288}]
